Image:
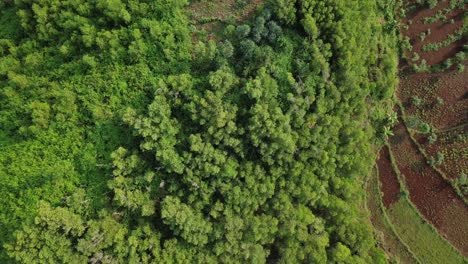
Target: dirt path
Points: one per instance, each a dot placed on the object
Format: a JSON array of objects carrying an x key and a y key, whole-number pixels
[
  {"x": 389, "y": 186},
  {"x": 430, "y": 193}
]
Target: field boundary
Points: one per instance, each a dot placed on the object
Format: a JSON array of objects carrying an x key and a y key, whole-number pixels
[
  {"x": 401, "y": 178},
  {"x": 451, "y": 128},
  {"x": 387, "y": 220},
  {"x": 426, "y": 156}
]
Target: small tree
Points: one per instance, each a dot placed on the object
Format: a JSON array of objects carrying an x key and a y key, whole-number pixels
[
  {"x": 432, "y": 138},
  {"x": 462, "y": 183},
  {"x": 226, "y": 49},
  {"x": 431, "y": 3},
  {"x": 417, "y": 124},
  {"x": 387, "y": 132},
  {"x": 242, "y": 31},
  {"x": 416, "y": 100},
  {"x": 437, "y": 160},
  {"x": 422, "y": 36},
  {"x": 393, "y": 118},
  {"x": 463, "y": 179}
]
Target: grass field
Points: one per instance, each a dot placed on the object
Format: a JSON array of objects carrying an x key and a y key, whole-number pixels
[
  {"x": 420, "y": 236},
  {"x": 383, "y": 229}
]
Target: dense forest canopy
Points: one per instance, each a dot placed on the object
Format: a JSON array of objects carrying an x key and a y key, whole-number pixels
[{"x": 127, "y": 139}]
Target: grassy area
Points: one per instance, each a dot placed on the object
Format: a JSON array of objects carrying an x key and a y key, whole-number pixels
[
  {"x": 209, "y": 18},
  {"x": 383, "y": 229},
  {"x": 206, "y": 11},
  {"x": 423, "y": 239}
]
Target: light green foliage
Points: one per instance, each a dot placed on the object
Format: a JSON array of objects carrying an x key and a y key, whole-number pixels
[
  {"x": 421, "y": 237},
  {"x": 66, "y": 235},
  {"x": 184, "y": 222},
  {"x": 251, "y": 149},
  {"x": 432, "y": 138},
  {"x": 462, "y": 183},
  {"x": 65, "y": 77},
  {"x": 456, "y": 36},
  {"x": 417, "y": 124},
  {"x": 416, "y": 100},
  {"x": 285, "y": 10}
]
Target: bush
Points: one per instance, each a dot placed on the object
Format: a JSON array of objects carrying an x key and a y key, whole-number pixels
[
  {"x": 416, "y": 100},
  {"x": 432, "y": 138}
]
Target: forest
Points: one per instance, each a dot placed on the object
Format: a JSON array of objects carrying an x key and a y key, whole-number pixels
[{"x": 128, "y": 135}]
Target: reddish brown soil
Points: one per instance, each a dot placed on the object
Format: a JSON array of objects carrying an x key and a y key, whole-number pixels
[
  {"x": 389, "y": 186},
  {"x": 386, "y": 238},
  {"x": 439, "y": 32},
  {"x": 431, "y": 194},
  {"x": 454, "y": 145},
  {"x": 451, "y": 87}
]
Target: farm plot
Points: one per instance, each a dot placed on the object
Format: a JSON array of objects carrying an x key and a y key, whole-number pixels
[
  {"x": 384, "y": 230},
  {"x": 433, "y": 196},
  {"x": 423, "y": 240},
  {"x": 453, "y": 145}
]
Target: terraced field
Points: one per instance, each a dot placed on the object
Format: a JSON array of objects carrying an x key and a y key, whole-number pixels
[{"x": 422, "y": 170}]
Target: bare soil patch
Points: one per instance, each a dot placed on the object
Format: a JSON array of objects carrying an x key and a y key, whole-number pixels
[{"x": 389, "y": 183}]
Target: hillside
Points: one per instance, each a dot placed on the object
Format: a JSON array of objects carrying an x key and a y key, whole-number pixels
[{"x": 131, "y": 132}]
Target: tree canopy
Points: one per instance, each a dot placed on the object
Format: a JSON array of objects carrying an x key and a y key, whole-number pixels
[{"x": 125, "y": 139}]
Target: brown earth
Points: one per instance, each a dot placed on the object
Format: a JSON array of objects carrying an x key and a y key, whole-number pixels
[
  {"x": 454, "y": 145},
  {"x": 386, "y": 238},
  {"x": 434, "y": 197},
  {"x": 451, "y": 87},
  {"x": 390, "y": 185},
  {"x": 439, "y": 31}
]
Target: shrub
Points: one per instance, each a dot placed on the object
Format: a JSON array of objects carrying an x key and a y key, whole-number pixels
[
  {"x": 432, "y": 138},
  {"x": 416, "y": 100}
]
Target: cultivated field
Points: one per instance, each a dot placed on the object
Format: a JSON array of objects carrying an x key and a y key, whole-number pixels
[{"x": 422, "y": 171}]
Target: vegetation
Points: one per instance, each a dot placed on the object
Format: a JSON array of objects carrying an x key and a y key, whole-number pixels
[
  {"x": 125, "y": 140},
  {"x": 462, "y": 183},
  {"x": 437, "y": 160},
  {"x": 417, "y": 124},
  {"x": 384, "y": 230},
  {"x": 429, "y": 246},
  {"x": 456, "y": 36}
]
